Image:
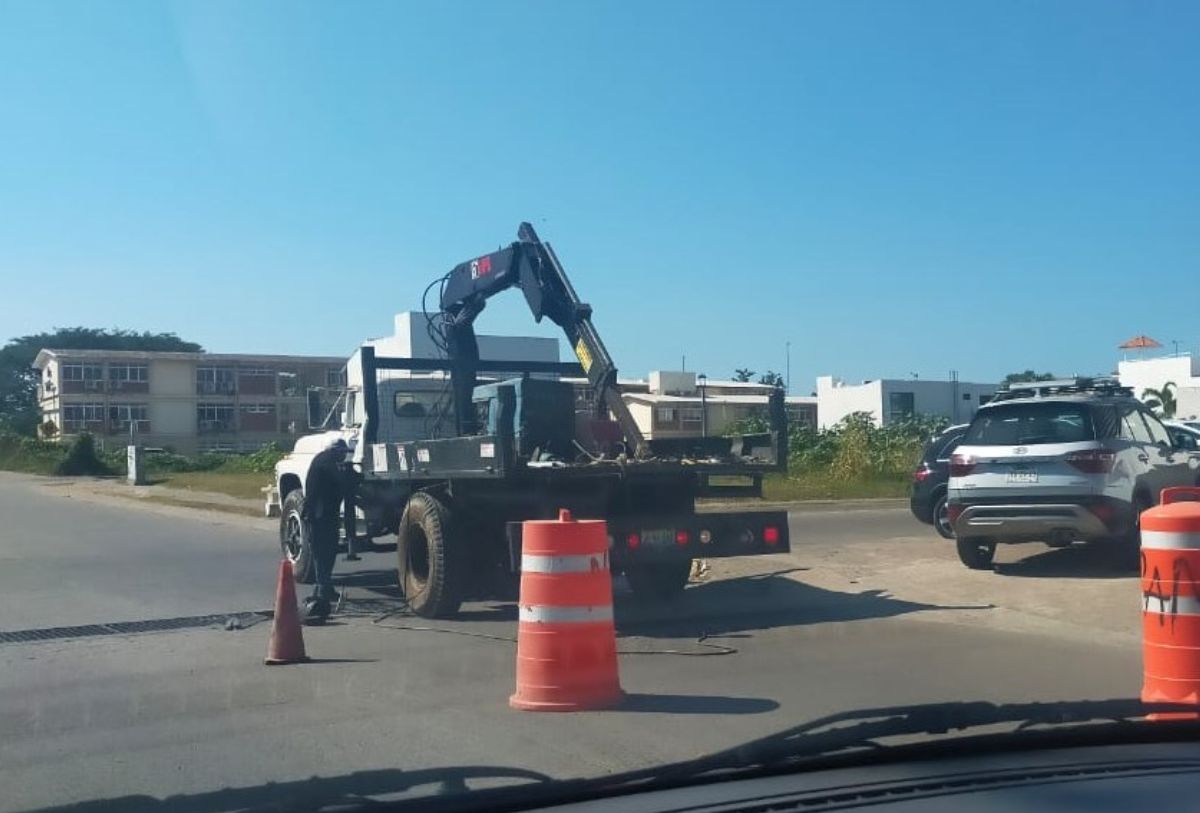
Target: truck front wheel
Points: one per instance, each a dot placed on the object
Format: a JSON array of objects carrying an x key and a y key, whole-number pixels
[
  {"x": 658, "y": 580},
  {"x": 430, "y": 570},
  {"x": 295, "y": 537}
]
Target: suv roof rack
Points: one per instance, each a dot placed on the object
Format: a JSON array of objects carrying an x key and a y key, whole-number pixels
[{"x": 1106, "y": 385}]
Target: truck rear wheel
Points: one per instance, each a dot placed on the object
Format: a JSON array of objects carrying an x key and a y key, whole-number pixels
[
  {"x": 430, "y": 569},
  {"x": 658, "y": 580},
  {"x": 295, "y": 537}
]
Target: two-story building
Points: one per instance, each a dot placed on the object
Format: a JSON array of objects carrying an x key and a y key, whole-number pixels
[
  {"x": 681, "y": 404},
  {"x": 188, "y": 402}
]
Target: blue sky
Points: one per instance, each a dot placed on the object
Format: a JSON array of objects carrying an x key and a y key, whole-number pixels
[{"x": 891, "y": 187}]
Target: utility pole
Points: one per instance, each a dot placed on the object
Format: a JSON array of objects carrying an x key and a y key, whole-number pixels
[
  {"x": 1175, "y": 342},
  {"x": 787, "y": 374}
]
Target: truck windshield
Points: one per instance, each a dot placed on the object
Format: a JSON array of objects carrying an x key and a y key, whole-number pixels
[{"x": 1014, "y": 424}]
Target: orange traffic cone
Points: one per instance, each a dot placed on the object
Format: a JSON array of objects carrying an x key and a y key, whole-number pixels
[
  {"x": 287, "y": 641},
  {"x": 566, "y": 643}
]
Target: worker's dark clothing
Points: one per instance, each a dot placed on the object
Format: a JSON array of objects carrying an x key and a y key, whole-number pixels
[{"x": 323, "y": 495}]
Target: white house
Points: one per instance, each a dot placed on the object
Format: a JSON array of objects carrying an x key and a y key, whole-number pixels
[
  {"x": 1153, "y": 373},
  {"x": 891, "y": 399}
]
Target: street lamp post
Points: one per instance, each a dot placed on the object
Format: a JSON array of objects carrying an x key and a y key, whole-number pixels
[{"x": 702, "y": 379}]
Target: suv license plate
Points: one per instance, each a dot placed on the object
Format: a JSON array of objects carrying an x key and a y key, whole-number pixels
[
  {"x": 659, "y": 538},
  {"x": 1022, "y": 477}
]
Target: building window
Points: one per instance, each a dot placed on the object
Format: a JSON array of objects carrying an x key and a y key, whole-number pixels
[
  {"x": 128, "y": 372},
  {"x": 691, "y": 417},
  {"x": 120, "y": 416},
  {"x": 83, "y": 377},
  {"x": 82, "y": 372},
  {"x": 215, "y": 381},
  {"x": 128, "y": 377},
  {"x": 258, "y": 409},
  {"x": 214, "y": 417},
  {"x": 77, "y": 417},
  {"x": 666, "y": 418},
  {"x": 257, "y": 371},
  {"x": 966, "y": 396},
  {"x": 900, "y": 406},
  {"x": 335, "y": 378},
  {"x": 89, "y": 413}
]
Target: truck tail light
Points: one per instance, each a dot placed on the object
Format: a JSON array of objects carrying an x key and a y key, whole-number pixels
[
  {"x": 633, "y": 540},
  {"x": 1092, "y": 461},
  {"x": 682, "y": 537},
  {"x": 962, "y": 464},
  {"x": 771, "y": 535},
  {"x": 953, "y": 512}
]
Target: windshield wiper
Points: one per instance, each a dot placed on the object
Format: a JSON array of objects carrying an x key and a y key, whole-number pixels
[{"x": 864, "y": 728}]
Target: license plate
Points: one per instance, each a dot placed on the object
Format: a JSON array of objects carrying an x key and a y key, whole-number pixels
[
  {"x": 658, "y": 538},
  {"x": 1022, "y": 477}
]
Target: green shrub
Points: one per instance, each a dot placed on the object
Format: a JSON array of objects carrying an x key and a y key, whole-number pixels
[
  {"x": 81, "y": 458},
  {"x": 28, "y": 454}
]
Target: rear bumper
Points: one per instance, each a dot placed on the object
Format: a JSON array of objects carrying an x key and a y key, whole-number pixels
[
  {"x": 743, "y": 533},
  {"x": 1061, "y": 520}
]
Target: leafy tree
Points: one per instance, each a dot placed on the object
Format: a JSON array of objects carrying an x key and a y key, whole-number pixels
[
  {"x": 743, "y": 374},
  {"x": 771, "y": 378},
  {"x": 18, "y": 379},
  {"x": 1026, "y": 376},
  {"x": 1161, "y": 400}
]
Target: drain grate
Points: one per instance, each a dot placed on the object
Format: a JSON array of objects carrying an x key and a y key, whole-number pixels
[{"x": 244, "y": 620}]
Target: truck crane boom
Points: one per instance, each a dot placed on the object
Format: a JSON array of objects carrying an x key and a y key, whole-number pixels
[{"x": 532, "y": 266}]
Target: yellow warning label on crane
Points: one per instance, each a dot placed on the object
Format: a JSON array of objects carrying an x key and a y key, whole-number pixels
[{"x": 585, "y": 358}]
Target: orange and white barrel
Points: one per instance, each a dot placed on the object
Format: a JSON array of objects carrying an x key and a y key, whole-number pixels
[
  {"x": 1171, "y": 598},
  {"x": 566, "y": 640}
]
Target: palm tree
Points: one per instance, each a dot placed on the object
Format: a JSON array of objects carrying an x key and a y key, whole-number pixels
[{"x": 1161, "y": 400}]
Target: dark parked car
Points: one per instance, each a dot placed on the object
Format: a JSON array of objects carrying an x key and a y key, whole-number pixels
[{"x": 928, "y": 500}]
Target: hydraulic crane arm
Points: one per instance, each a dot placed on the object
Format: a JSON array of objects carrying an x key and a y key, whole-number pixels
[{"x": 531, "y": 265}]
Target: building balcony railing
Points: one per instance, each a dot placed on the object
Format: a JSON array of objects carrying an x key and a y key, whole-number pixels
[
  {"x": 216, "y": 388},
  {"x": 75, "y": 427},
  {"x": 122, "y": 427}
]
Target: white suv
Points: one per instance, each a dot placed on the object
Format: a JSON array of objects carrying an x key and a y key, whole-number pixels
[{"x": 1059, "y": 462}]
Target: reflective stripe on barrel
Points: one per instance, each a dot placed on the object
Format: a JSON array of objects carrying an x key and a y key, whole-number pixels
[
  {"x": 586, "y": 563},
  {"x": 1170, "y": 540},
  {"x": 540, "y": 614}
]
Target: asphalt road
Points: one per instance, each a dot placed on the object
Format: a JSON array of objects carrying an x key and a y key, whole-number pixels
[
  {"x": 870, "y": 609},
  {"x": 67, "y": 561}
]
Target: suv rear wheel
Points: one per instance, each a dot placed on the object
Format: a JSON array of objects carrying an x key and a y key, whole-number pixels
[{"x": 976, "y": 553}]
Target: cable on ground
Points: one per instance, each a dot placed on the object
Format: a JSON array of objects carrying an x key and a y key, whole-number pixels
[{"x": 709, "y": 649}]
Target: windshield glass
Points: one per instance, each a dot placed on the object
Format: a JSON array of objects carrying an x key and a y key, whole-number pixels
[{"x": 412, "y": 399}]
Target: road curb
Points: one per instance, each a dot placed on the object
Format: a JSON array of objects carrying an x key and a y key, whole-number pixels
[{"x": 802, "y": 506}]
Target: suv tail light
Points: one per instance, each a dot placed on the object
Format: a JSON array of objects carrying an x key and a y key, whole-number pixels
[
  {"x": 962, "y": 464},
  {"x": 922, "y": 473},
  {"x": 1092, "y": 461},
  {"x": 953, "y": 512}
]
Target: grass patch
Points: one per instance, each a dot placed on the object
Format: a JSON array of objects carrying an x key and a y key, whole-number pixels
[
  {"x": 818, "y": 485},
  {"x": 246, "y": 484}
]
